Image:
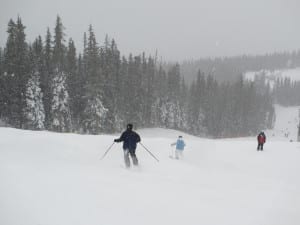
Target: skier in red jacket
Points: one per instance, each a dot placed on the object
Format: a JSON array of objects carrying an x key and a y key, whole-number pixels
[{"x": 261, "y": 138}]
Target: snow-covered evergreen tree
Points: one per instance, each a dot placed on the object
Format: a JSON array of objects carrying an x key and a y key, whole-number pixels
[
  {"x": 91, "y": 120},
  {"x": 100, "y": 92},
  {"x": 34, "y": 110},
  {"x": 94, "y": 115},
  {"x": 60, "y": 110},
  {"x": 60, "y": 104},
  {"x": 173, "y": 115}
]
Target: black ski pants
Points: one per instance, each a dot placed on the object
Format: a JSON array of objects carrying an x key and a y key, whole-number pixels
[
  {"x": 130, "y": 152},
  {"x": 260, "y": 146}
]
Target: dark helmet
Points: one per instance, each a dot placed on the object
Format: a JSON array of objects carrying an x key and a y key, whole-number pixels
[
  {"x": 180, "y": 136},
  {"x": 129, "y": 126}
]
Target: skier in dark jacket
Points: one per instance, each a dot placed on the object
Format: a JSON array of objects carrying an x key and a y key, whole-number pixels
[
  {"x": 130, "y": 139},
  {"x": 261, "y": 139}
]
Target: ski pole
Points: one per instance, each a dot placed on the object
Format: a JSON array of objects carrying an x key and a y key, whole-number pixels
[
  {"x": 149, "y": 152},
  {"x": 107, "y": 151}
]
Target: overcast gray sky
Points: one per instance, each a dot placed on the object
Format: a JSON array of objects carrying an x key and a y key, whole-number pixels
[{"x": 179, "y": 30}]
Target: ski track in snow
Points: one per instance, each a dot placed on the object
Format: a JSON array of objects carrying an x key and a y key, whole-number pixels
[{"x": 59, "y": 179}]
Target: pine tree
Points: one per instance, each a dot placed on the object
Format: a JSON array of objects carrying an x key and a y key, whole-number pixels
[
  {"x": 60, "y": 111},
  {"x": 94, "y": 113},
  {"x": 135, "y": 91},
  {"x": 80, "y": 103},
  {"x": 1, "y": 62},
  {"x": 122, "y": 97},
  {"x": 16, "y": 72},
  {"x": 147, "y": 92},
  {"x": 210, "y": 119},
  {"x": 195, "y": 106},
  {"x": 110, "y": 69},
  {"x": 128, "y": 88},
  {"x": 84, "y": 55},
  {"x": 2, "y": 86},
  {"x": 117, "y": 79},
  {"x": 83, "y": 85},
  {"x": 46, "y": 79},
  {"x": 34, "y": 110},
  {"x": 73, "y": 82},
  {"x": 59, "y": 49},
  {"x": 173, "y": 112},
  {"x": 160, "y": 98}
]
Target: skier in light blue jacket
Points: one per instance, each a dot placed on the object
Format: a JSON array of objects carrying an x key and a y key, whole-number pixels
[{"x": 180, "y": 144}]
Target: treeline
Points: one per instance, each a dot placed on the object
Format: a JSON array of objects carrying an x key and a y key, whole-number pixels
[
  {"x": 287, "y": 92},
  {"x": 229, "y": 109},
  {"x": 48, "y": 85},
  {"x": 230, "y": 68}
]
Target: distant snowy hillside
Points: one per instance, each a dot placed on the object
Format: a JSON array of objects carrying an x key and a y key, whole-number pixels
[
  {"x": 271, "y": 76},
  {"x": 58, "y": 179}
]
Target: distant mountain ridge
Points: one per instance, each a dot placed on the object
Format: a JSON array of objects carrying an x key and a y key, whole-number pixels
[
  {"x": 272, "y": 75},
  {"x": 229, "y": 68}
]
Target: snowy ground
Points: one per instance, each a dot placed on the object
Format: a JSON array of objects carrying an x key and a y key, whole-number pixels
[{"x": 58, "y": 179}]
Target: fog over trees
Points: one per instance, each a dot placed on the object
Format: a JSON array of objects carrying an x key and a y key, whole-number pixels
[
  {"x": 230, "y": 68},
  {"x": 48, "y": 84}
]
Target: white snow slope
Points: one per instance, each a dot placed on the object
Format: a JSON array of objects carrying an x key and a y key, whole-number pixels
[{"x": 58, "y": 179}]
